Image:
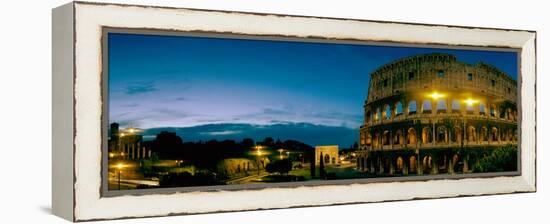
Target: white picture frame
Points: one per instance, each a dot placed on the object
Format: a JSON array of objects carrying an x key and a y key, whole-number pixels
[{"x": 78, "y": 104}]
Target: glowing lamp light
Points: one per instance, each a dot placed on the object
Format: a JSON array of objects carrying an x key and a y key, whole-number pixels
[
  {"x": 436, "y": 95},
  {"x": 119, "y": 166},
  {"x": 470, "y": 101}
]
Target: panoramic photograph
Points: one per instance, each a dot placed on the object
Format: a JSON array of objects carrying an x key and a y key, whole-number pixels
[{"x": 188, "y": 111}]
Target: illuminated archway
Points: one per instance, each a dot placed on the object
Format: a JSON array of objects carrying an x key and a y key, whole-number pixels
[
  {"x": 426, "y": 135},
  {"x": 368, "y": 140},
  {"x": 427, "y": 163},
  {"x": 494, "y": 134},
  {"x": 386, "y": 138},
  {"x": 399, "y": 164},
  {"x": 493, "y": 110},
  {"x": 442, "y": 135},
  {"x": 412, "y": 164},
  {"x": 471, "y": 134},
  {"x": 457, "y": 137},
  {"x": 411, "y": 136},
  {"x": 398, "y": 138},
  {"x": 483, "y": 134}
]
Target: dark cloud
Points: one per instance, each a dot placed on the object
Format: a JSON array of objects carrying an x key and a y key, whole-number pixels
[
  {"x": 140, "y": 87},
  {"x": 306, "y": 132}
]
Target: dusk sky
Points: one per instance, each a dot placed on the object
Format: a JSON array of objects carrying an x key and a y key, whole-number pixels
[{"x": 174, "y": 81}]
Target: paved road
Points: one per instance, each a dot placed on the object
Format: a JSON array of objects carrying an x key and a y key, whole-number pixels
[{"x": 247, "y": 179}]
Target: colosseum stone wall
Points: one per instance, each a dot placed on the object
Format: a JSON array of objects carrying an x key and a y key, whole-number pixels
[{"x": 430, "y": 114}]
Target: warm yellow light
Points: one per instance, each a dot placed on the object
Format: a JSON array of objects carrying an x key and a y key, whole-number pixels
[
  {"x": 436, "y": 95},
  {"x": 111, "y": 154},
  {"x": 470, "y": 101},
  {"x": 119, "y": 166},
  {"x": 121, "y": 134}
]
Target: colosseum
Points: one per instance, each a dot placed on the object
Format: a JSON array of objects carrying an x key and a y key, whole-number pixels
[{"x": 430, "y": 114}]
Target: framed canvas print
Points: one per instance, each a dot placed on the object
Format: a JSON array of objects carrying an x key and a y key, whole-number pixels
[{"x": 161, "y": 111}]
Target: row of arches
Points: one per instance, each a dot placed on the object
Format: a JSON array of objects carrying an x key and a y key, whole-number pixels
[
  {"x": 438, "y": 135},
  {"x": 327, "y": 160},
  {"x": 441, "y": 106},
  {"x": 415, "y": 163}
]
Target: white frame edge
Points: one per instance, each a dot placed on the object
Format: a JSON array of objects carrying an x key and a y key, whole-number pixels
[
  {"x": 62, "y": 111},
  {"x": 89, "y": 20}
]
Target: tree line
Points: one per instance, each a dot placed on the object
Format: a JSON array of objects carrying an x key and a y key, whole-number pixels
[{"x": 207, "y": 154}]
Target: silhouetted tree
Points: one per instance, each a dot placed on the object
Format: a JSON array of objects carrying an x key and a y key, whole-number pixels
[
  {"x": 279, "y": 166},
  {"x": 312, "y": 165},
  {"x": 278, "y": 143},
  {"x": 268, "y": 141},
  {"x": 166, "y": 144},
  {"x": 247, "y": 143}
]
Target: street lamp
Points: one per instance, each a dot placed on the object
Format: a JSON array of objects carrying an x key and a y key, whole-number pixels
[
  {"x": 258, "y": 154},
  {"x": 280, "y": 153},
  {"x": 119, "y": 169}
]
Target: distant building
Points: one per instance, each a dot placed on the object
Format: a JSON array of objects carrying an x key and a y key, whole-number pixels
[
  {"x": 126, "y": 144},
  {"x": 330, "y": 154},
  {"x": 235, "y": 166}
]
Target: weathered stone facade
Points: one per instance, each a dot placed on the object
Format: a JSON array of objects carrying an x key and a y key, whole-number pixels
[
  {"x": 235, "y": 166},
  {"x": 433, "y": 114},
  {"x": 125, "y": 144},
  {"x": 329, "y": 152}
]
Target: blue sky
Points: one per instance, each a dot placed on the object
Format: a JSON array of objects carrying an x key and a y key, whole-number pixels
[{"x": 175, "y": 81}]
